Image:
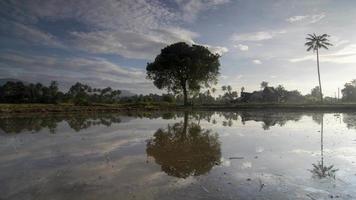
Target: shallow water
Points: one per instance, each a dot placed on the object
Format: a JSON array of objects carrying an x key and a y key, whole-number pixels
[{"x": 205, "y": 155}]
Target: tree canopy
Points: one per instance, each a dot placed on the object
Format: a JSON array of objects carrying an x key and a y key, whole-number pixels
[{"x": 181, "y": 68}]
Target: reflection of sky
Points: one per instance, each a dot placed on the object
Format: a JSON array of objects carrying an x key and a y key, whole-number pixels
[{"x": 104, "y": 161}]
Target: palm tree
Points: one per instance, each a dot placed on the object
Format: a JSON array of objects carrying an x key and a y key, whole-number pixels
[
  {"x": 213, "y": 90},
  {"x": 316, "y": 42},
  {"x": 224, "y": 88},
  {"x": 320, "y": 170},
  {"x": 264, "y": 84},
  {"x": 229, "y": 88}
]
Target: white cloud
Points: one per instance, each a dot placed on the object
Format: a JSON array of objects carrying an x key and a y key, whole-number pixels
[
  {"x": 131, "y": 44},
  {"x": 28, "y": 33},
  {"x": 336, "y": 41},
  {"x": 257, "y": 62},
  {"x": 256, "y": 36},
  {"x": 189, "y": 9},
  {"x": 241, "y": 47},
  {"x": 217, "y": 49},
  {"x": 130, "y": 28},
  {"x": 316, "y": 18},
  {"x": 345, "y": 55},
  {"x": 296, "y": 18},
  {"x": 307, "y": 18},
  {"x": 97, "y": 72}
]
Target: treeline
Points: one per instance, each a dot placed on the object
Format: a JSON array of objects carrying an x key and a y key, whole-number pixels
[
  {"x": 271, "y": 94},
  {"x": 82, "y": 94},
  {"x": 79, "y": 94}
]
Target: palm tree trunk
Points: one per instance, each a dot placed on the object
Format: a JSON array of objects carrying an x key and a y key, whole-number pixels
[
  {"x": 317, "y": 60},
  {"x": 322, "y": 140}
]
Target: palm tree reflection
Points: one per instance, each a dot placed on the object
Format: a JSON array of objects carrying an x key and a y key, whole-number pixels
[
  {"x": 319, "y": 170},
  {"x": 185, "y": 149}
]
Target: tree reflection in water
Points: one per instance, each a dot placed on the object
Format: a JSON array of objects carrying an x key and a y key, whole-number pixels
[
  {"x": 185, "y": 149},
  {"x": 35, "y": 123},
  {"x": 319, "y": 170}
]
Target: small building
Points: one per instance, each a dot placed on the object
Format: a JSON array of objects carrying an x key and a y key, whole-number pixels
[{"x": 268, "y": 94}]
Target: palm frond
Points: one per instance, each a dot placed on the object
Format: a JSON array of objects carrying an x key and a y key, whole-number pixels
[
  {"x": 328, "y": 44},
  {"x": 316, "y": 42},
  {"x": 324, "y": 46},
  {"x": 325, "y": 35},
  {"x": 309, "y": 43},
  {"x": 310, "y": 47},
  {"x": 311, "y": 36}
]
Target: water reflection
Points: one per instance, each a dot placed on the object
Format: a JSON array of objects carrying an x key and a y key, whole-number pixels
[
  {"x": 185, "y": 149},
  {"x": 103, "y": 162},
  {"x": 271, "y": 118},
  {"x": 350, "y": 120},
  {"x": 35, "y": 123},
  {"x": 319, "y": 169}
]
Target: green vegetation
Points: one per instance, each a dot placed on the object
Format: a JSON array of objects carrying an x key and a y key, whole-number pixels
[{"x": 181, "y": 68}]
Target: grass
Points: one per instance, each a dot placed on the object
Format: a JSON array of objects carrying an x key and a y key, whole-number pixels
[
  {"x": 66, "y": 107},
  {"x": 282, "y": 106}
]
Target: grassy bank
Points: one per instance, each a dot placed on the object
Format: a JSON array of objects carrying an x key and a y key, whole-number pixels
[
  {"x": 268, "y": 106},
  {"x": 70, "y": 108}
]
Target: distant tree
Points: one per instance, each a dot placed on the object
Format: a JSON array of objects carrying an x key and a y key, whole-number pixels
[
  {"x": 168, "y": 98},
  {"x": 53, "y": 92},
  {"x": 294, "y": 96},
  {"x": 213, "y": 90},
  {"x": 182, "y": 68},
  {"x": 229, "y": 88},
  {"x": 229, "y": 95},
  {"x": 316, "y": 42},
  {"x": 315, "y": 92},
  {"x": 349, "y": 91},
  {"x": 14, "y": 92},
  {"x": 223, "y": 88},
  {"x": 79, "y": 93},
  {"x": 242, "y": 89},
  {"x": 282, "y": 93},
  {"x": 264, "y": 84}
]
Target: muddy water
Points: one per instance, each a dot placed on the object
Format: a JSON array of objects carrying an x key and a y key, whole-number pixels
[{"x": 205, "y": 155}]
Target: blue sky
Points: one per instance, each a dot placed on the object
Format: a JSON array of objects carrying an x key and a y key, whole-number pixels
[{"x": 108, "y": 43}]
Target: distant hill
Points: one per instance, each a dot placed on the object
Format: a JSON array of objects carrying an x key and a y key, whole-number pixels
[{"x": 126, "y": 93}]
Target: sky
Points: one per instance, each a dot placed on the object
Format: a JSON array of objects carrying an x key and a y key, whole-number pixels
[{"x": 109, "y": 42}]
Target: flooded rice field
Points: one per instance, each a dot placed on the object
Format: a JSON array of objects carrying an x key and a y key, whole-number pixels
[{"x": 196, "y": 155}]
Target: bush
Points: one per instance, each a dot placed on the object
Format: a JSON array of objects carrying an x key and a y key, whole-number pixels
[{"x": 81, "y": 102}]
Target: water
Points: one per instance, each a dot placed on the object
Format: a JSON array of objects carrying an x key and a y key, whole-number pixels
[{"x": 205, "y": 155}]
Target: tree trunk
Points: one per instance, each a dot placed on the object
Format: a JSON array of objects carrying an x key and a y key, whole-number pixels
[
  {"x": 185, "y": 94},
  {"x": 317, "y": 60},
  {"x": 322, "y": 140},
  {"x": 185, "y": 126}
]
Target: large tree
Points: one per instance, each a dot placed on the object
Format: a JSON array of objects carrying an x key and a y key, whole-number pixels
[
  {"x": 316, "y": 42},
  {"x": 182, "y": 68}
]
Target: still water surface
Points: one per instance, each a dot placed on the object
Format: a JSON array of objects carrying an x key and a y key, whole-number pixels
[{"x": 205, "y": 155}]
